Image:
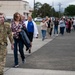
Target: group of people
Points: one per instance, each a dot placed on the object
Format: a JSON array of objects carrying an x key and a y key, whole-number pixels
[
  {"x": 70, "y": 23},
  {"x": 13, "y": 31},
  {"x": 16, "y": 26},
  {"x": 47, "y": 25},
  {"x": 61, "y": 24}
]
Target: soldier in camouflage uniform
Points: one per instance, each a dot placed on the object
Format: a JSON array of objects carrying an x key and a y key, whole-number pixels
[{"x": 4, "y": 32}]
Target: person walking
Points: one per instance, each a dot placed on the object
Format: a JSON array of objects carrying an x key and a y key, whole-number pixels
[
  {"x": 44, "y": 26},
  {"x": 74, "y": 24},
  {"x": 51, "y": 27},
  {"x": 16, "y": 27},
  {"x": 48, "y": 20},
  {"x": 32, "y": 30},
  {"x": 5, "y": 31},
  {"x": 67, "y": 25},
  {"x": 56, "y": 23},
  {"x": 62, "y": 26}
]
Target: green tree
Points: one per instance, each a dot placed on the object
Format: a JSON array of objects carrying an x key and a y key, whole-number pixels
[
  {"x": 53, "y": 12},
  {"x": 70, "y": 10},
  {"x": 37, "y": 6},
  {"x": 45, "y": 10},
  {"x": 56, "y": 14}
]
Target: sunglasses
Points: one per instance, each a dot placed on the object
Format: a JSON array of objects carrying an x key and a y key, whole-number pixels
[{"x": 17, "y": 16}]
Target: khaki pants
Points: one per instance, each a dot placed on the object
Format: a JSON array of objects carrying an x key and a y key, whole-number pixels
[
  {"x": 48, "y": 30},
  {"x": 2, "y": 58}
]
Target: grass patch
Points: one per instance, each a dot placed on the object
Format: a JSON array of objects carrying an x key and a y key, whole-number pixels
[{"x": 38, "y": 23}]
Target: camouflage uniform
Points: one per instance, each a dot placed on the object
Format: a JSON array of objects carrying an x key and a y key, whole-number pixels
[{"x": 4, "y": 32}]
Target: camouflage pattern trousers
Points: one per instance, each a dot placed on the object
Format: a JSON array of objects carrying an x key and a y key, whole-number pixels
[{"x": 3, "y": 51}]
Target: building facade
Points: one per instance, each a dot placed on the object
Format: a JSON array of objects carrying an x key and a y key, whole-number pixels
[{"x": 9, "y": 7}]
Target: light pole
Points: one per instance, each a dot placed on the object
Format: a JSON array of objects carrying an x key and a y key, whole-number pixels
[
  {"x": 34, "y": 4},
  {"x": 59, "y": 8},
  {"x": 52, "y": 8},
  {"x": 34, "y": 8}
]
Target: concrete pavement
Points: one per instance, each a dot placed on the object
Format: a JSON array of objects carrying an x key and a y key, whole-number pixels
[
  {"x": 19, "y": 71},
  {"x": 37, "y": 43}
]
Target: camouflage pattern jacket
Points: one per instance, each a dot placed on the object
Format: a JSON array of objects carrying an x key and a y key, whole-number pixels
[{"x": 5, "y": 31}]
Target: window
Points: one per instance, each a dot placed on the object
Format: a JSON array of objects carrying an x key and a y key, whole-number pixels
[{"x": 25, "y": 5}]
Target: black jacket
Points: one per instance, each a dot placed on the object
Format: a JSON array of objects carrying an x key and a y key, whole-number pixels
[{"x": 24, "y": 38}]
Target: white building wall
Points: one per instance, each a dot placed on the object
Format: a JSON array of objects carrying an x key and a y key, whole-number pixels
[{"x": 10, "y": 7}]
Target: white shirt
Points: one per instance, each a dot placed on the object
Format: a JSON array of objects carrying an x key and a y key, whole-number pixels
[
  {"x": 74, "y": 22},
  {"x": 62, "y": 23}
]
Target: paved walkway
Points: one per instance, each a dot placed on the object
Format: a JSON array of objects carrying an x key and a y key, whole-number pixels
[
  {"x": 20, "y": 71},
  {"x": 37, "y": 43},
  {"x": 55, "y": 56}
]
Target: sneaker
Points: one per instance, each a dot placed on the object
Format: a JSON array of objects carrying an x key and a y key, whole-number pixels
[
  {"x": 56, "y": 34},
  {"x": 15, "y": 66},
  {"x": 24, "y": 61},
  {"x": 29, "y": 50},
  {"x": 42, "y": 39}
]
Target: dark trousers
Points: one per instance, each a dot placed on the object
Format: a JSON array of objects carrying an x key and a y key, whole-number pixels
[
  {"x": 69, "y": 29},
  {"x": 18, "y": 45},
  {"x": 51, "y": 31},
  {"x": 74, "y": 27},
  {"x": 62, "y": 30}
]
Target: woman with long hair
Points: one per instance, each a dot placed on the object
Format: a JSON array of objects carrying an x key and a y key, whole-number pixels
[{"x": 16, "y": 26}]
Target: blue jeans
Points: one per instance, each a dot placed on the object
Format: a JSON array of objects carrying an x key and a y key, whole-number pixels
[
  {"x": 43, "y": 34},
  {"x": 55, "y": 29},
  {"x": 18, "y": 44}
]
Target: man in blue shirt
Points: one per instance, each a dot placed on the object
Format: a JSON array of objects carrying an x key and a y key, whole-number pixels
[{"x": 32, "y": 29}]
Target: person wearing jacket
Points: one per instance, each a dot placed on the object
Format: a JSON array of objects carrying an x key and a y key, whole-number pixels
[
  {"x": 32, "y": 30},
  {"x": 51, "y": 27},
  {"x": 5, "y": 31},
  {"x": 56, "y": 23},
  {"x": 48, "y": 20}
]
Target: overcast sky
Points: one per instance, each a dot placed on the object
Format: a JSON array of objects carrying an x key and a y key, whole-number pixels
[{"x": 53, "y": 3}]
